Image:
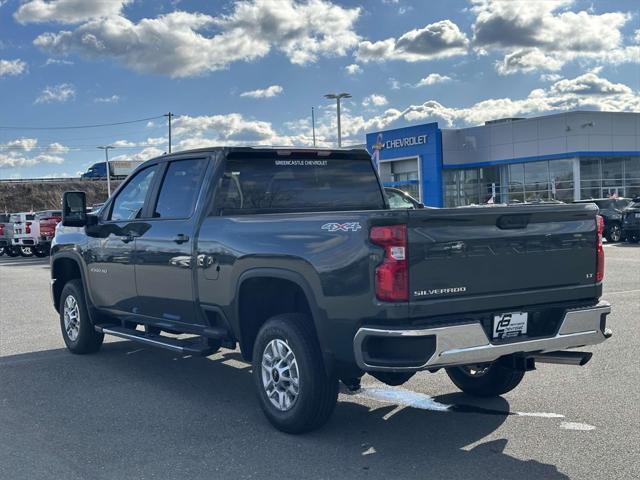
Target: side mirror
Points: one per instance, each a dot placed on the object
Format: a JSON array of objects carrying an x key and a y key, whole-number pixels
[
  {"x": 420, "y": 205},
  {"x": 74, "y": 208}
]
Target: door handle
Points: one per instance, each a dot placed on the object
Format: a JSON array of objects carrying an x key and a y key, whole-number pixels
[{"x": 181, "y": 238}]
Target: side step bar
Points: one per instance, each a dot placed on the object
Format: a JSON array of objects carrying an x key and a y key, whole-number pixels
[
  {"x": 187, "y": 346},
  {"x": 564, "y": 357}
]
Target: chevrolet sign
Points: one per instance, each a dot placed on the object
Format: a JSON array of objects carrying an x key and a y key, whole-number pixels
[{"x": 406, "y": 142}]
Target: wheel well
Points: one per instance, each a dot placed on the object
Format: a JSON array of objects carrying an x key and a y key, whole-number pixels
[
  {"x": 62, "y": 271},
  {"x": 260, "y": 299}
]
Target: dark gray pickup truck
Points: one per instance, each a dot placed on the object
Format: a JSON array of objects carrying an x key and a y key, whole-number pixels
[{"x": 295, "y": 255}]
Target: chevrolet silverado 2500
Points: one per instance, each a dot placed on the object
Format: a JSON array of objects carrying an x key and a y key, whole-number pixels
[{"x": 295, "y": 256}]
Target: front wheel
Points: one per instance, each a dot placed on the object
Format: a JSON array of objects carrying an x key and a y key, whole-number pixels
[
  {"x": 77, "y": 330},
  {"x": 295, "y": 391},
  {"x": 485, "y": 380},
  {"x": 12, "y": 251},
  {"x": 1, "y": 251},
  {"x": 41, "y": 252},
  {"x": 633, "y": 237}
]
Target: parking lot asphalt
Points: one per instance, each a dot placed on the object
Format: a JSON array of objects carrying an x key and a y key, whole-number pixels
[{"x": 134, "y": 412}]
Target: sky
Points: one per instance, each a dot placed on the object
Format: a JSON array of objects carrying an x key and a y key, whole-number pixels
[{"x": 249, "y": 72}]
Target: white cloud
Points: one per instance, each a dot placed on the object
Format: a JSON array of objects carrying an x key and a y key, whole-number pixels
[
  {"x": 376, "y": 100},
  {"x": 177, "y": 44},
  {"x": 353, "y": 69},
  {"x": 432, "y": 79},
  {"x": 234, "y": 129},
  {"x": 111, "y": 99},
  {"x": 545, "y": 35},
  {"x": 67, "y": 11},
  {"x": 57, "y": 61},
  {"x": 24, "y": 152},
  {"x": 12, "y": 67},
  {"x": 550, "y": 77},
  {"x": 141, "y": 156},
  {"x": 268, "y": 92},
  {"x": 57, "y": 93},
  {"x": 437, "y": 40}
]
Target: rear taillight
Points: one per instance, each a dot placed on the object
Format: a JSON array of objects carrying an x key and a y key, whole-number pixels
[
  {"x": 1, "y": 229},
  {"x": 28, "y": 228},
  {"x": 392, "y": 275},
  {"x": 599, "y": 249}
]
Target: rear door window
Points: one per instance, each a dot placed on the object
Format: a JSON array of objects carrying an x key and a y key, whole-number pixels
[
  {"x": 180, "y": 188},
  {"x": 286, "y": 184}
]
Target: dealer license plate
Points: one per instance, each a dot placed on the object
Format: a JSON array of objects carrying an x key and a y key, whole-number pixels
[{"x": 507, "y": 325}]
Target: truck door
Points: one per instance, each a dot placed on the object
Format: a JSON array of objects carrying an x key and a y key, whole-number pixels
[
  {"x": 110, "y": 250},
  {"x": 164, "y": 253}
]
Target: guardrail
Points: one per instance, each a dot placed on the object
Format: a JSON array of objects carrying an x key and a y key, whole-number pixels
[{"x": 40, "y": 180}]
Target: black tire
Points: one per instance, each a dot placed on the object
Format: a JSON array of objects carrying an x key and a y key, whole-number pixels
[
  {"x": 12, "y": 252},
  {"x": 87, "y": 340},
  {"x": 494, "y": 379},
  {"x": 41, "y": 252},
  {"x": 1, "y": 251},
  {"x": 613, "y": 233},
  {"x": 317, "y": 388},
  {"x": 26, "y": 251},
  {"x": 633, "y": 237}
]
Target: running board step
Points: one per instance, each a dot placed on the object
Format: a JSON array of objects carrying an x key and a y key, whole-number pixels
[{"x": 186, "y": 346}]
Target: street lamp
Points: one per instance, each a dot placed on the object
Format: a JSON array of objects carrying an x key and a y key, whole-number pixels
[
  {"x": 337, "y": 97},
  {"x": 106, "y": 149}
]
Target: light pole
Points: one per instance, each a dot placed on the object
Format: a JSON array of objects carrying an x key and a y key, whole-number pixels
[
  {"x": 338, "y": 97},
  {"x": 170, "y": 116},
  {"x": 106, "y": 149}
]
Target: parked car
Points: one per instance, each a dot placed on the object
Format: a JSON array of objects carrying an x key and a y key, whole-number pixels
[
  {"x": 6, "y": 236},
  {"x": 295, "y": 256},
  {"x": 611, "y": 210},
  {"x": 25, "y": 233},
  {"x": 399, "y": 199},
  {"x": 47, "y": 220},
  {"x": 631, "y": 221}
]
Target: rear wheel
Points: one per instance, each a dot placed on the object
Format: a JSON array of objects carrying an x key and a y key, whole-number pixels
[
  {"x": 485, "y": 380},
  {"x": 295, "y": 391},
  {"x": 12, "y": 251},
  {"x": 614, "y": 233},
  {"x": 1, "y": 251},
  {"x": 77, "y": 330},
  {"x": 633, "y": 237},
  {"x": 41, "y": 252}
]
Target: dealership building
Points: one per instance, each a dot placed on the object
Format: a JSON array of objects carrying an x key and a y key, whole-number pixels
[{"x": 567, "y": 156}]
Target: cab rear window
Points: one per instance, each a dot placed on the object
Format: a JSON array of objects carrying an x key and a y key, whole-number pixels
[{"x": 290, "y": 184}]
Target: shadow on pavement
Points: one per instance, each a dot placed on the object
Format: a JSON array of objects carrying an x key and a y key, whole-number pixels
[{"x": 130, "y": 412}]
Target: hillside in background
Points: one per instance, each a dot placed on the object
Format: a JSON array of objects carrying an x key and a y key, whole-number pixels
[{"x": 24, "y": 197}]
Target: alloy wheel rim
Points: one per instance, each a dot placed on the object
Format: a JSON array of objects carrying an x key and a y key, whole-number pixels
[
  {"x": 71, "y": 314},
  {"x": 280, "y": 375},
  {"x": 615, "y": 233}
]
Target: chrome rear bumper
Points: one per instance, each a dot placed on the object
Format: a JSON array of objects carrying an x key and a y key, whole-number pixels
[{"x": 468, "y": 343}]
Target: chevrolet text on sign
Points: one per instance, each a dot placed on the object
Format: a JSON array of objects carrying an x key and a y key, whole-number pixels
[{"x": 406, "y": 141}]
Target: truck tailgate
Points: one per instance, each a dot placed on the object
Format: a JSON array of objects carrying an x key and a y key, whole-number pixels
[{"x": 493, "y": 258}]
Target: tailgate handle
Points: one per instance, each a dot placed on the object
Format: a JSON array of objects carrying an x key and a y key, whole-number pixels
[{"x": 513, "y": 222}]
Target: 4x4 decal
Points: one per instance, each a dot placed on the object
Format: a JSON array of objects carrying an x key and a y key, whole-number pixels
[{"x": 342, "y": 227}]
